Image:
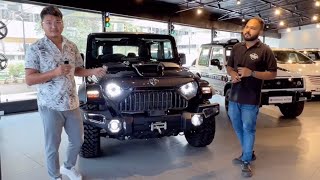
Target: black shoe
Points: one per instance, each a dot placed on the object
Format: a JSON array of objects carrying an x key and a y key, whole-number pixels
[
  {"x": 246, "y": 170},
  {"x": 238, "y": 160}
]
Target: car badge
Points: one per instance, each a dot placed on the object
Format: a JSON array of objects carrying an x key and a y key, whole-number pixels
[{"x": 153, "y": 81}]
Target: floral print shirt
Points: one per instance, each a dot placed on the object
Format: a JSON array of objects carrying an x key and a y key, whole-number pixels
[{"x": 60, "y": 92}]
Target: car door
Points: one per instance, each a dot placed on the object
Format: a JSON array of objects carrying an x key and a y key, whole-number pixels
[
  {"x": 202, "y": 63},
  {"x": 218, "y": 75}
]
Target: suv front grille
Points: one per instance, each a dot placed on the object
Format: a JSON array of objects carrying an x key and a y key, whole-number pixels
[
  {"x": 283, "y": 83},
  {"x": 141, "y": 101},
  {"x": 315, "y": 80}
]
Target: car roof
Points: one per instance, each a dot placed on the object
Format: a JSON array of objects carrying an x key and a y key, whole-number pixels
[
  {"x": 129, "y": 34},
  {"x": 283, "y": 49},
  {"x": 309, "y": 49},
  {"x": 230, "y": 42}
]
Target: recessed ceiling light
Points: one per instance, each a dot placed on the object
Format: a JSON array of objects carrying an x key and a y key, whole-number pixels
[
  {"x": 277, "y": 12},
  {"x": 317, "y": 3},
  {"x": 199, "y": 10},
  {"x": 238, "y": 2},
  {"x": 281, "y": 23},
  {"x": 315, "y": 17}
]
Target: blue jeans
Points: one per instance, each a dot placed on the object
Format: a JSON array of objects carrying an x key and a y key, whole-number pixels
[{"x": 243, "y": 118}]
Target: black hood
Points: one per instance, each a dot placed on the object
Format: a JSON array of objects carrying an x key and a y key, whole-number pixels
[{"x": 148, "y": 69}]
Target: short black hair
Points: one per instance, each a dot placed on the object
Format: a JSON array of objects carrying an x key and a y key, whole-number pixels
[
  {"x": 50, "y": 10},
  {"x": 261, "y": 22}
]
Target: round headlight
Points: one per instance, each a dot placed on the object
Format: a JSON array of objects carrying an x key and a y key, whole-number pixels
[
  {"x": 113, "y": 90},
  {"x": 114, "y": 126},
  {"x": 189, "y": 90},
  {"x": 197, "y": 120}
]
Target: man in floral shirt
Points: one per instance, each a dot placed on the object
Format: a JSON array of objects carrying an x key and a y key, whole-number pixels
[{"x": 52, "y": 62}]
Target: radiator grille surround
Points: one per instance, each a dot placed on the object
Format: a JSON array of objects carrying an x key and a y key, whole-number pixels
[{"x": 152, "y": 100}]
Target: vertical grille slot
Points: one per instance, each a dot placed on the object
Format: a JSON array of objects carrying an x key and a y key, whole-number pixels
[{"x": 141, "y": 101}]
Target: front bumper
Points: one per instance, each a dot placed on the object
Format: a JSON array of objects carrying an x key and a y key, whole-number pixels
[
  {"x": 284, "y": 97},
  {"x": 146, "y": 125}
]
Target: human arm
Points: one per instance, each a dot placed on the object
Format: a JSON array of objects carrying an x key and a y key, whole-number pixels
[
  {"x": 82, "y": 72},
  {"x": 271, "y": 68},
  {"x": 33, "y": 76}
]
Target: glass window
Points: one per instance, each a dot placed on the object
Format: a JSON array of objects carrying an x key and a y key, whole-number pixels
[
  {"x": 272, "y": 42},
  {"x": 224, "y": 36},
  {"x": 124, "y": 48},
  {"x": 291, "y": 57},
  {"x": 24, "y": 28},
  {"x": 314, "y": 55},
  {"x": 302, "y": 59},
  {"x": 124, "y": 24},
  {"x": 204, "y": 57},
  {"x": 217, "y": 53},
  {"x": 189, "y": 40}
]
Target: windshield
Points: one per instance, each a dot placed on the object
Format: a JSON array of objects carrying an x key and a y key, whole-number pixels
[
  {"x": 132, "y": 49},
  {"x": 291, "y": 57},
  {"x": 314, "y": 55}
]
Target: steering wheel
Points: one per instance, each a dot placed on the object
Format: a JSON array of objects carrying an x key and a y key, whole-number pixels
[
  {"x": 3, "y": 62},
  {"x": 3, "y": 30}
]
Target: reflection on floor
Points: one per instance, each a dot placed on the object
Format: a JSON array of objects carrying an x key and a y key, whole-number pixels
[{"x": 286, "y": 149}]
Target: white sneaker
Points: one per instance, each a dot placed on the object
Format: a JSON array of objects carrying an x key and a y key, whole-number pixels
[{"x": 72, "y": 173}]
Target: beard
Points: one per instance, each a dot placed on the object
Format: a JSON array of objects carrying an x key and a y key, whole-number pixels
[{"x": 250, "y": 37}]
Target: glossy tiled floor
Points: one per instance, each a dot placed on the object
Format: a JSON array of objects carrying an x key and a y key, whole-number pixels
[{"x": 286, "y": 150}]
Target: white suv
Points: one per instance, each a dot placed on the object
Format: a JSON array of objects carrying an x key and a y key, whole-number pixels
[
  {"x": 295, "y": 61},
  {"x": 287, "y": 91}
]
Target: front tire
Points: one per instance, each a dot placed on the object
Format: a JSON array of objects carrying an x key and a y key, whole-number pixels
[
  {"x": 292, "y": 110},
  {"x": 203, "y": 135},
  {"x": 91, "y": 145}
]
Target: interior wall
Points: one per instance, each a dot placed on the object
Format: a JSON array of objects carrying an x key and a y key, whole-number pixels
[{"x": 307, "y": 37}]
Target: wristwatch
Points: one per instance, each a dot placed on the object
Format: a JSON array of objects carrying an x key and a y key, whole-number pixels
[{"x": 253, "y": 73}]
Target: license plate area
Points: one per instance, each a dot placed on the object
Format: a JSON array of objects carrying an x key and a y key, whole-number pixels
[{"x": 280, "y": 99}]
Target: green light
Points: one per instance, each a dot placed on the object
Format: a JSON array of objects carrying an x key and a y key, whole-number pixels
[{"x": 108, "y": 24}]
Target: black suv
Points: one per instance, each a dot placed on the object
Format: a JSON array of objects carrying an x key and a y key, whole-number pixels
[{"x": 145, "y": 94}]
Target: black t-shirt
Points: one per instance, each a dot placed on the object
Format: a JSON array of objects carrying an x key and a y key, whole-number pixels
[{"x": 257, "y": 58}]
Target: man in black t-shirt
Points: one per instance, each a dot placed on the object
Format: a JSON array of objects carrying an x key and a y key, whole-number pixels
[{"x": 250, "y": 63}]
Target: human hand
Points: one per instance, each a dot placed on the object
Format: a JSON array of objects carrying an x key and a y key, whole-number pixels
[
  {"x": 244, "y": 72},
  {"x": 235, "y": 77},
  {"x": 99, "y": 72},
  {"x": 63, "y": 69}
]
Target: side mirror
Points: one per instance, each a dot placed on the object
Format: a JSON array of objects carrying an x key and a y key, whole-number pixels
[
  {"x": 183, "y": 59},
  {"x": 216, "y": 62}
]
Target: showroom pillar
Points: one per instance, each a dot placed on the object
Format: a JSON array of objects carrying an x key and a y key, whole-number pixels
[
  {"x": 213, "y": 34},
  {"x": 170, "y": 27}
]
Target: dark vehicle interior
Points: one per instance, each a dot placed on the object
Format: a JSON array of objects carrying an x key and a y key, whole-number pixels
[{"x": 119, "y": 50}]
